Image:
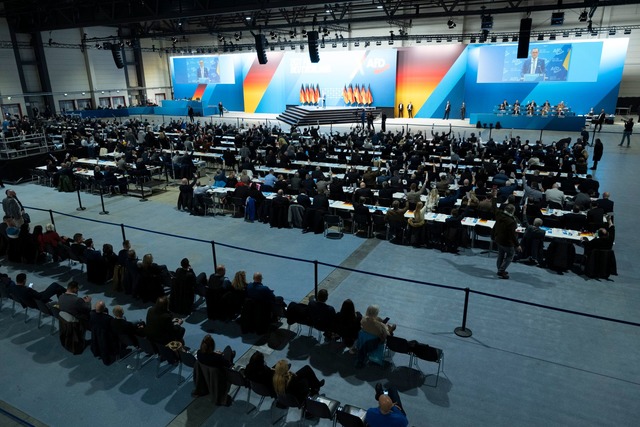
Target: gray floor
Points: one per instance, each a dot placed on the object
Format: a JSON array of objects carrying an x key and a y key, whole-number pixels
[{"x": 522, "y": 366}]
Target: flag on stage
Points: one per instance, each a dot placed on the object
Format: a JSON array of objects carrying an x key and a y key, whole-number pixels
[{"x": 345, "y": 95}]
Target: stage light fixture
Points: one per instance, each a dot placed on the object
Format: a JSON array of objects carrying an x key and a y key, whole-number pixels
[
  {"x": 494, "y": 39},
  {"x": 578, "y": 33},
  {"x": 540, "y": 37},
  {"x": 612, "y": 32},
  {"x": 304, "y": 33},
  {"x": 367, "y": 44},
  {"x": 584, "y": 15},
  {"x": 514, "y": 39},
  {"x": 460, "y": 39},
  {"x": 356, "y": 44},
  {"x": 449, "y": 39},
  {"x": 344, "y": 44},
  {"x": 552, "y": 37},
  {"x": 334, "y": 45},
  {"x": 272, "y": 48},
  {"x": 418, "y": 40},
  {"x": 301, "y": 47},
  {"x": 390, "y": 41},
  {"x": 627, "y": 31},
  {"x": 505, "y": 39},
  {"x": 438, "y": 40},
  {"x": 237, "y": 36},
  {"x": 293, "y": 47},
  {"x": 281, "y": 47},
  {"x": 595, "y": 33},
  {"x": 292, "y": 33},
  {"x": 565, "y": 34},
  {"x": 273, "y": 35},
  {"x": 472, "y": 39},
  {"x": 378, "y": 43},
  {"x": 557, "y": 18},
  {"x": 451, "y": 24}
]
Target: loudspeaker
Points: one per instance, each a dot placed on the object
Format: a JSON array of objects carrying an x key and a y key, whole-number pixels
[
  {"x": 314, "y": 55},
  {"x": 261, "y": 46},
  {"x": 116, "y": 51},
  {"x": 523, "y": 38}
]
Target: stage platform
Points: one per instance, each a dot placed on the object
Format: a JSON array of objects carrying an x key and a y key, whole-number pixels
[
  {"x": 303, "y": 115},
  {"x": 568, "y": 123}
]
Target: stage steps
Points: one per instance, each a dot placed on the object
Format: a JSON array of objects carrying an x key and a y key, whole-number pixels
[{"x": 306, "y": 116}]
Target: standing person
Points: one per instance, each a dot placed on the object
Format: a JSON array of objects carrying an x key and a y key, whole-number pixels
[
  {"x": 13, "y": 208},
  {"x": 410, "y": 110},
  {"x": 220, "y": 109},
  {"x": 505, "y": 236},
  {"x": 383, "y": 126},
  {"x": 584, "y": 134},
  {"x": 447, "y": 110},
  {"x": 600, "y": 120},
  {"x": 598, "y": 148},
  {"x": 463, "y": 111},
  {"x": 628, "y": 130},
  {"x": 400, "y": 109},
  {"x": 190, "y": 113}
]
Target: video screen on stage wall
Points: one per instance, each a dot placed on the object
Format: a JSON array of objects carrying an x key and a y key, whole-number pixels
[
  {"x": 546, "y": 62},
  {"x": 202, "y": 69}
]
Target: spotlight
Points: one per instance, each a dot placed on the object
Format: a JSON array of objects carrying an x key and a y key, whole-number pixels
[
  {"x": 540, "y": 37},
  {"x": 293, "y": 47},
  {"x": 367, "y": 44},
  {"x": 584, "y": 15},
  {"x": 292, "y": 33},
  {"x": 237, "y": 36},
  {"x": 451, "y": 24},
  {"x": 334, "y": 45},
  {"x": 514, "y": 39},
  {"x": 627, "y": 31},
  {"x": 565, "y": 34},
  {"x": 98, "y": 46},
  {"x": 325, "y": 31},
  {"x": 273, "y": 35},
  {"x": 378, "y": 43},
  {"x": 578, "y": 33},
  {"x": 391, "y": 34},
  {"x": 505, "y": 39},
  {"x": 281, "y": 47},
  {"x": 557, "y": 18},
  {"x": 390, "y": 41},
  {"x": 301, "y": 47},
  {"x": 472, "y": 39},
  {"x": 220, "y": 38},
  {"x": 438, "y": 40},
  {"x": 612, "y": 32},
  {"x": 418, "y": 40},
  {"x": 356, "y": 44},
  {"x": 494, "y": 39},
  {"x": 344, "y": 44},
  {"x": 449, "y": 39},
  {"x": 304, "y": 33},
  {"x": 552, "y": 37}
]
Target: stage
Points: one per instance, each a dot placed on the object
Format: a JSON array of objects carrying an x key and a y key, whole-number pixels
[{"x": 568, "y": 123}]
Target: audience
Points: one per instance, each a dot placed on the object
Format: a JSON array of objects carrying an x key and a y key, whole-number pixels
[{"x": 301, "y": 384}]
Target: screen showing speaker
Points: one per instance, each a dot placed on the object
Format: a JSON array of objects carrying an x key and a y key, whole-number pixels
[
  {"x": 546, "y": 62},
  {"x": 202, "y": 69}
]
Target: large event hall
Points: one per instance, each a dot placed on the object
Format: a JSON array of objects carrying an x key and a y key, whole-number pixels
[{"x": 126, "y": 120}]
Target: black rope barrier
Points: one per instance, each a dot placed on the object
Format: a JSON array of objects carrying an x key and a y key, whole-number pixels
[{"x": 467, "y": 291}]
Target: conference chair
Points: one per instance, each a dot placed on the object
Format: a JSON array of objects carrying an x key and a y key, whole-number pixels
[
  {"x": 380, "y": 228},
  {"x": 351, "y": 416},
  {"x": 188, "y": 359},
  {"x": 333, "y": 227},
  {"x": 261, "y": 390},
  {"x": 237, "y": 378},
  {"x": 322, "y": 407},
  {"x": 149, "y": 349},
  {"x": 480, "y": 230},
  {"x": 429, "y": 354},
  {"x": 45, "y": 310},
  {"x": 286, "y": 401},
  {"x": 399, "y": 345},
  {"x": 127, "y": 348}
]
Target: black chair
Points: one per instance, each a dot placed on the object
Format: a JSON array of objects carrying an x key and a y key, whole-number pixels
[
  {"x": 46, "y": 310},
  {"x": 600, "y": 264},
  {"x": 322, "y": 407},
  {"x": 333, "y": 227},
  {"x": 148, "y": 348},
  {"x": 165, "y": 354},
  {"x": 238, "y": 207},
  {"x": 237, "y": 378},
  {"x": 128, "y": 347},
  {"x": 351, "y": 416},
  {"x": 261, "y": 390},
  {"x": 429, "y": 354},
  {"x": 286, "y": 401},
  {"x": 380, "y": 227},
  {"x": 188, "y": 359},
  {"x": 483, "y": 231},
  {"x": 400, "y": 345}
]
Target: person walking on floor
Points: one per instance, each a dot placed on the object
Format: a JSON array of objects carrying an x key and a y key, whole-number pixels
[
  {"x": 505, "y": 236},
  {"x": 463, "y": 111},
  {"x": 628, "y": 130},
  {"x": 598, "y": 148}
]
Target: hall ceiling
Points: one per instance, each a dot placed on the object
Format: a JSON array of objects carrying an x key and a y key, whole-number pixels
[{"x": 164, "y": 18}]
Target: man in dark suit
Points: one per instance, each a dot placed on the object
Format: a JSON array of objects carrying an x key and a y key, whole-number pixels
[
  {"x": 533, "y": 64},
  {"x": 600, "y": 120},
  {"x": 161, "y": 326},
  {"x": 28, "y": 295},
  {"x": 202, "y": 71},
  {"x": 122, "y": 326},
  {"x": 321, "y": 314},
  {"x": 258, "y": 291},
  {"x": 605, "y": 203}
]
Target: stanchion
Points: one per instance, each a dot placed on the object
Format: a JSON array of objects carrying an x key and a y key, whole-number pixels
[
  {"x": 124, "y": 236},
  {"x": 104, "y": 212},
  {"x": 462, "y": 331},
  {"x": 51, "y": 217},
  {"x": 213, "y": 251},
  {"x": 315, "y": 282},
  {"x": 79, "y": 208}
]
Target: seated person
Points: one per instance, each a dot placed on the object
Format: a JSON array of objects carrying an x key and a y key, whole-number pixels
[
  {"x": 103, "y": 340},
  {"x": 258, "y": 291},
  {"x": 347, "y": 324},
  {"x": 183, "y": 289},
  {"x": 257, "y": 371},
  {"x": 300, "y": 384},
  {"x": 122, "y": 326},
  {"x": 322, "y": 314},
  {"x": 373, "y": 329},
  {"x": 389, "y": 412},
  {"x": 532, "y": 243},
  {"x": 161, "y": 326},
  {"x": 70, "y": 302},
  {"x": 28, "y": 296},
  {"x": 574, "y": 220},
  {"x": 207, "y": 354},
  {"x": 602, "y": 241}
]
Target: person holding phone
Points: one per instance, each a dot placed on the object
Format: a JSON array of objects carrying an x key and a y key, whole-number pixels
[{"x": 389, "y": 412}]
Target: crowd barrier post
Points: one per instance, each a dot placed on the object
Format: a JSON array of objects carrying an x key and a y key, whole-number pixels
[
  {"x": 80, "y": 207},
  {"x": 124, "y": 236},
  {"x": 315, "y": 281},
  {"x": 104, "y": 212},
  {"x": 213, "y": 251},
  {"x": 462, "y": 331},
  {"x": 51, "y": 217}
]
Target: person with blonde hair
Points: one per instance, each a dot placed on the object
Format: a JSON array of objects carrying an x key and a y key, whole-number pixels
[
  {"x": 300, "y": 384},
  {"x": 416, "y": 224}
]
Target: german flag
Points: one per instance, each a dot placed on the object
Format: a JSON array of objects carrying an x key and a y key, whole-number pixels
[
  {"x": 302, "y": 98},
  {"x": 345, "y": 95},
  {"x": 317, "y": 93},
  {"x": 350, "y": 94},
  {"x": 370, "y": 95}
]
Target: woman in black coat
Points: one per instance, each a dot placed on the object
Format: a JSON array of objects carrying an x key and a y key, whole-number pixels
[{"x": 598, "y": 148}]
